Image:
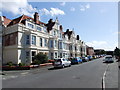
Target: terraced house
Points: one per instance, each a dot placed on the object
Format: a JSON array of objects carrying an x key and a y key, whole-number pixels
[{"x": 24, "y": 37}]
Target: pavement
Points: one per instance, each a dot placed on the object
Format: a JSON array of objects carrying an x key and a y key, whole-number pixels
[
  {"x": 111, "y": 78},
  {"x": 85, "y": 75},
  {"x": 17, "y": 73}
]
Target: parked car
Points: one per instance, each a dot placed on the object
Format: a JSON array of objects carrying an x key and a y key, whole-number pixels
[
  {"x": 94, "y": 57},
  {"x": 108, "y": 59},
  {"x": 76, "y": 60},
  {"x": 85, "y": 59},
  {"x": 61, "y": 62},
  {"x": 90, "y": 58}
]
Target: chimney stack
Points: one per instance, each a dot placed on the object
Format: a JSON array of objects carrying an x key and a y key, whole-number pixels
[{"x": 36, "y": 17}]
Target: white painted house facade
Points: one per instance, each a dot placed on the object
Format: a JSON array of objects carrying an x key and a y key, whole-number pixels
[{"x": 24, "y": 37}]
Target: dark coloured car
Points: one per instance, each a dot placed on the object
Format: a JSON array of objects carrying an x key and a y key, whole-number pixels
[
  {"x": 84, "y": 59},
  {"x": 90, "y": 58},
  {"x": 76, "y": 60}
]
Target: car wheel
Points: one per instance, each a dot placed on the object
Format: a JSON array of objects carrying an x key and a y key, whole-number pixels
[
  {"x": 70, "y": 65},
  {"x": 63, "y": 66}
]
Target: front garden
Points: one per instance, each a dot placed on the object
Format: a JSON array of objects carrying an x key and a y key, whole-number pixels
[{"x": 39, "y": 59}]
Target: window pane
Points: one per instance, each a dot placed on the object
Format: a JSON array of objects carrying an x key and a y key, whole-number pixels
[
  {"x": 39, "y": 28},
  {"x": 44, "y": 29},
  {"x": 33, "y": 40},
  {"x": 51, "y": 43},
  {"x": 27, "y": 39},
  {"x": 55, "y": 55},
  {"x": 45, "y": 41},
  {"x": 41, "y": 42},
  {"x": 55, "y": 43},
  {"x": 30, "y": 25},
  {"x": 27, "y": 56},
  {"x": 27, "y": 53}
]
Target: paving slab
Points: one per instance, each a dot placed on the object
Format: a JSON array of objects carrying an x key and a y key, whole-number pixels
[{"x": 111, "y": 79}]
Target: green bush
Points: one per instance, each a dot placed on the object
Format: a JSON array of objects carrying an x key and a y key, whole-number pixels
[
  {"x": 10, "y": 64},
  {"x": 40, "y": 58},
  {"x": 21, "y": 64}
]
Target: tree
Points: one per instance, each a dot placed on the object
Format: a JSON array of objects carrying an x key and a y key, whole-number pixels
[
  {"x": 117, "y": 52},
  {"x": 40, "y": 58},
  {"x": 102, "y": 52}
]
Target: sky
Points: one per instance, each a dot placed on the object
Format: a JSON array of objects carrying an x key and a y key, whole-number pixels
[{"x": 95, "y": 22}]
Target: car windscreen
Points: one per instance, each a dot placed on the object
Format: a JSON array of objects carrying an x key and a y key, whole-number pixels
[
  {"x": 108, "y": 57},
  {"x": 57, "y": 60}
]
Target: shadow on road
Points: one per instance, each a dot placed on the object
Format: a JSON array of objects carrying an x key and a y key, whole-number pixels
[
  {"x": 108, "y": 62},
  {"x": 54, "y": 68},
  {"x": 51, "y": 68}
]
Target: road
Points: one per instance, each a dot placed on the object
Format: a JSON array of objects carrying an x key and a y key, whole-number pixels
[{"x": 85, "y": 75}]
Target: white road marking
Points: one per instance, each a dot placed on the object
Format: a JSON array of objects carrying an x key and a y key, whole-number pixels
[
  {"x": 8, "y": 77},
  {"x": 13, "y": 76},
  {"x": 3, "y": 78},
  {"x": 103, "y": 79},
  {"x": 24, "y": 73}
]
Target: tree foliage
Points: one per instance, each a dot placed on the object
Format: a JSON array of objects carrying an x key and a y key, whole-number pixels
[
  {"x": 40, "y": 58},
  {"x": 117, "y": 52}
]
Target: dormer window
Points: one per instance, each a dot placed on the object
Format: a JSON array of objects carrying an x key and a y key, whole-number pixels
[
  {"x": 39, "y": 28},
  {"x": 30, "y": 25},
  {"x": 44, "y": 29},
  {"x": 30, "y": 20}
]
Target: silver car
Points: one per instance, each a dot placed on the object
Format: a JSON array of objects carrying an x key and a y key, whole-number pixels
[
  {"x": 61, "y": 62},
  {"x": 108, "y": 59}
]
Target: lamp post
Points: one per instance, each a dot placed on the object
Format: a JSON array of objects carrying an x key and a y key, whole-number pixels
[{"x": 1, "y": 41}]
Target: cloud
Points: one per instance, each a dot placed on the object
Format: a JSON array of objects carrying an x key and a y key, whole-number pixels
[
  {"x": 102, "y": 45},
  {"x": 84, "y": 7},
  {"x": 62, "y": 4},
  {"x": 72, "y": 9},
  {"x": 118, "y": 44},
  {"x": 18, "y": 7},
  {"x": 52, "y": 11},
  {"x": 56, "y": 11},
  {"x": 116, "y": 33},
  {"x": 87, "y": 6},
  {"x": 44, "y": 11},
  {"x": 96, "y": 43}
]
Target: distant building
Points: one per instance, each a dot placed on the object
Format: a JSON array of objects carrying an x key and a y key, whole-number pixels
[
  {"x": 90, "y": 51},
  {"x": 99, "y": 51}
]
